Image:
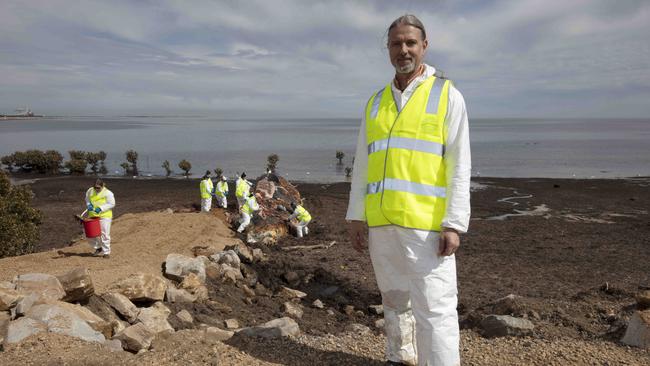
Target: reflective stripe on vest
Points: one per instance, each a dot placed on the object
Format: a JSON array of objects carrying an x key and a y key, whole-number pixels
[
  {"x": 406, "y": 170},
  {"x": 222, "y": 189},
  {"x": 97, "y": 200},
  {"x": 242, "y": 188},
  {"x": 249, "y": 206},
  {"x": 303, "y": 215}
]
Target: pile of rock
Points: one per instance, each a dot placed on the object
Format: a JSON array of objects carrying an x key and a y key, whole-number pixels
[{"x": 132, "y": 312}]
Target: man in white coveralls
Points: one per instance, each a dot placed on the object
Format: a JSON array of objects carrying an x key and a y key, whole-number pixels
[
  {"x": 411, "y": 188},
  {"x": 99, "y": 203}
]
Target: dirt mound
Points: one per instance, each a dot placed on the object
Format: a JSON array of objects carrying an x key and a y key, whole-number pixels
[{"x": 139, "y": 243}]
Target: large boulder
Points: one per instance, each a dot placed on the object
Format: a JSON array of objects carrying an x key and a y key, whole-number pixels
[
  {"x": 8, "y": 298},
  {"x": 5, "y": 319},
  {"x": 105, "y": 311},
  {"x": 243, "y": 251},
  {"x": 227, "y": 257},
  {"x": 179, "y": 295},
  {"x": 122, "y": 305},
  {"x": 22, "y": 328},
  {"x": 7, "y": 285},
  {"x": 275, "y": 328},
  {"x": 67, "y": 320},
  {"x": 24, "y": 304},
  {"x": 638, "y": 330},
  {"x": 141, "y": 287},
  {"x": 78, "y": 284},
  {"x": 135, "y": 337},
  {"x": 178, "y": 266},
  {"x": 155, "y": 318},
  {"x": 505, "y": 325},
  {"x": 46, "y": 286}
]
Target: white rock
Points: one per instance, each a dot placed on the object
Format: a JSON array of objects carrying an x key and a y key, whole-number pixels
[
  {"x": 218, "y": 334},
  {"x": 122, "y": 305},
  {"x": 177, "y": 266},
  {"x": 113, "y": 344},
  {"x": 141, "y": 287},
  {"x": 228, "y": 257},
  {"x": 8, "y": 298},
  {"x": 291, "y": 293},
  {"x": 24, "y": 304},
  {"x": 638, "y": 330},
  {"x": 317, "y": 304},
  {"x": 505, "y": 325},
  {"x": 376, "y": 309},
  {"x": 66, "y": 320},
  {"x": 179, "y": 295},
  {"x": 23, "y": 328},
  {"x": 77, "y": 284},
  {"x": 46, "y": 286},
  {"x": 155, "y": 318},
  {"x": 185, "y": 317},
  {"x": 231, "y": 323},
  {"x": 292, "y": 310},
  {"x": 275, "y": 328}
]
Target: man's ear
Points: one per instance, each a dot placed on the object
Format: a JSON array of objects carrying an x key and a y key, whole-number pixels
[{"x": 425, "y": 44}]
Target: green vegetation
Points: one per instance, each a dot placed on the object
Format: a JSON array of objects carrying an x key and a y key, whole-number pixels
[
  {"x": 185, "y": 166},
  {"x": 132, "y": 158},
  {"x": 272, "y": 162},
  {"x": 340, "y": 155},
  {"x": 34, "y": 160},
  {"x": 167, "y": 167},
  {"x": 18, "y": 220}
]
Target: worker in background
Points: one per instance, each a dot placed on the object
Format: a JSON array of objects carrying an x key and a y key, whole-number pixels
[
  {"x": 250, "y": 205},
  {"x": 242, "y": 187},
  {"x": 99, "y": 203},
  {"x": 206, "y": 188},
  {"x": 410, "y": 186},
  {"x": 303, "y": 218},
  {"x": 221, "y": 192}
]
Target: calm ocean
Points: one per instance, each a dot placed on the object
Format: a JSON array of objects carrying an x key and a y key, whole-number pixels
[{"x": 559, "y": 148}]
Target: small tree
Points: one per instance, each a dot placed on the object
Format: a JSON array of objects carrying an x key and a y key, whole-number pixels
[
  {"x": 102, "y": 159},
  {"x": 54, "y": 160},
  {"x": 340, "y": 155},
  {"x": 125, "y": 166},
  {"x": 348, "y": 172},
  {"x": 185, "y": 166},
  {"x": 9, "y": 161},
  {"x": 272, "y": 162},
  {"x": 93, "y": 159},
  {"x": 77, "y": 163},
  {"x": 132, "y": 157},
  {"x": 167, "y": 167},
  {"x": 18, "y": 220}
]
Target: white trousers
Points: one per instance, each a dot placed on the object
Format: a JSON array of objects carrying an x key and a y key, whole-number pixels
[
  {"x": 419, "y": 294},
  {"x": 104, "y": 240},
  {"x": 301, "y": 228},
  {"x": 222, "y": 201},
  {"x": 240, "y": 201},
  {"x": 206, "y": 204},
  {"x": 243, "y": 222}
]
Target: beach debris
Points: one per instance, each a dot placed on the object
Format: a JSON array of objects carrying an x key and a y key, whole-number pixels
[{"x": 505, "y": 325}]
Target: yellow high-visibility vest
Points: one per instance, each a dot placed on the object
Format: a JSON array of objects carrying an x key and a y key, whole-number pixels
[
  {"x": 249, "y": 206},
  {"x": 303, "y": 215},
  {"x": 406, "y": 172},
  {"x": 206, "y": 188},
  {"x": 98, "y": 199},
  {"x": 222, "y": 189},
  {"x": 242, "y": 188}
]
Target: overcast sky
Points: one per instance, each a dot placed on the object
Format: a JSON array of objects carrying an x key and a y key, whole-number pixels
[{"x": 525, "y": 58}]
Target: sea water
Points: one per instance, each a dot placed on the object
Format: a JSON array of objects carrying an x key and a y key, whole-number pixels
[{"x": 557, "y": 148}]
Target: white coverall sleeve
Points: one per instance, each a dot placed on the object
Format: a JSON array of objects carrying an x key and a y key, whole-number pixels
[
  {"x": 110, "y": 202},
  {"x": 458, "y": 164},
  {"x": 356, "y": 203},
  {"x": 88, "y": 196}
]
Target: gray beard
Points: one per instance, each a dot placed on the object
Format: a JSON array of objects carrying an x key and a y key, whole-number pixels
[{"x": 407, "y": 69}]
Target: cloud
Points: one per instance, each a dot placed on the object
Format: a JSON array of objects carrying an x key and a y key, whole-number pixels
[{"x": 320, "y": 58}]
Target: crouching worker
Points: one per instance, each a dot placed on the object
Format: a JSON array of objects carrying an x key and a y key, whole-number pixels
[
  {"x": 303, "y": 218},
  {"x": 221, "y": 192},
  {"x": 206, "y": 188},
  {"x": 250, "y": 205},
  {"x": 100, "y": 202}
]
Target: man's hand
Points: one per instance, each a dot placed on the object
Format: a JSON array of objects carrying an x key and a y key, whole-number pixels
[
  {"x": 357, "y": 232},
  {"x": 449, "y": 242}
]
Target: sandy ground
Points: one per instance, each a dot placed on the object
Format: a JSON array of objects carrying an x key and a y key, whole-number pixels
[{"x": 576, "y": 250}]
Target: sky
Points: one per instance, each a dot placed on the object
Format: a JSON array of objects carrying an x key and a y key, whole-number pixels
[{"x": 319, "y": 59}]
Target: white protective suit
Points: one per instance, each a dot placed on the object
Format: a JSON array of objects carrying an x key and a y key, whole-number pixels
[
  {"x": 206, "y": 203},
  {"x": 104, "y": 240},
  {"x": 222, "y": 189},
  {"x": 246, "y": 217},
  {"x": 241, "y": 200},
  {"x": 301, "y": 226},
  {"x": 418, "y": 287}
]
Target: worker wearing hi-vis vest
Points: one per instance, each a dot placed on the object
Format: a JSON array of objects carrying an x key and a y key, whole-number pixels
[
  {"x": 242, "y": 188},
  {"x": 303, "y": 218},
  {"x": 250, "y": 205},
  {"x": 206, "y": 188},
  {"x": 410, "y": 186},
  {"x": 99, "y": 203},
  {"x": 221, "y": 192}
]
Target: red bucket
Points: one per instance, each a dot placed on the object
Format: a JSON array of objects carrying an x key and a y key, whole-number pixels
[{"x": 92, "y": 227}]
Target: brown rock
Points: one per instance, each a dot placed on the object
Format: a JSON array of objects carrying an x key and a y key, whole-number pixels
[
  {"x": 8, "y": 299},
  {"x": 179, "y": 295},
  {"x": 258, "y": 255},
  {"x": 292, "y": 278},
  {"x": 217, "y": 334},
  {"x": 104, "y": 310},
  {"x": 643, "y": 300},
  {"x": 71, "y": 320},
  {"x": 185, "y": 317},
  {"x": 348, "y": 310},
  {"x": 638, "y": 330},
  {"x": 509, "y": 305},
  {"x": 155, "y": 318},
  {"x": 23, "y": 328},
  {"x": 141, "y": 287},
  {"x": 276, "y": 328},
  {"x": 135, "y": 337},
  {"x": 248, "y": 291},
  {"x": 78, "y": 285},
  {"x": 231, "y": 323},
  {"x": 122, "y": 305},
  {"x": 291, "y": 293},
  {"x": 213, "y": 272},
  {"x": 204, "y": 251},
  {"x": 293, "y": 310}
]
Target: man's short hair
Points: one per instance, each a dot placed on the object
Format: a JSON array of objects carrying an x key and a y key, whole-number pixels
[
  {"x": 409, "y": 19},
  {"x": 99, "y": 183}
]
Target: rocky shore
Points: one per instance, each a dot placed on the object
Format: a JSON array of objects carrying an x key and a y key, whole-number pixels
[{"x": 552, "y": 272}]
